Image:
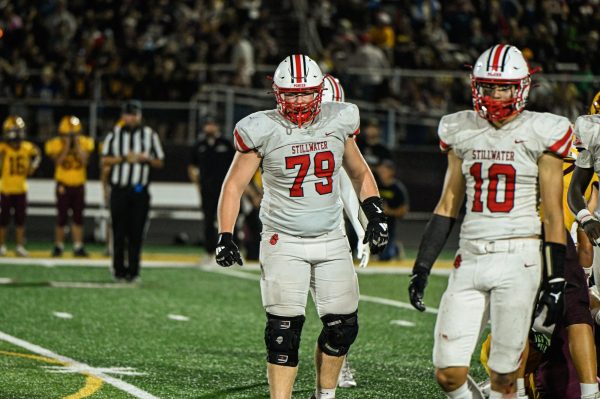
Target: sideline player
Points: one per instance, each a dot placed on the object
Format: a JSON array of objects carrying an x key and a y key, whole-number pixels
[
  {"x": 301, "y": 147},
  {"x": 20, "y": 159},
  {"x": 502, "y": 156},
  {"x": 70, "y": 152}
]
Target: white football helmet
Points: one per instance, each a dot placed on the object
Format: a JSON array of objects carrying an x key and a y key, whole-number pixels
[
  {"x": 298, "y": 75},
  {"x": 332, "y": 90},
  {"x": 501, "y": 64}
]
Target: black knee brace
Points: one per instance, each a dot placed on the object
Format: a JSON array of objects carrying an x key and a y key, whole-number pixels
[
  {"x": 339, "y": 332},
  {"x": 282, "y": 337}
]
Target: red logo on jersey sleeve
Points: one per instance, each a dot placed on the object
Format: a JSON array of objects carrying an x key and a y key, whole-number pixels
[{"x": 274, "y": 239}]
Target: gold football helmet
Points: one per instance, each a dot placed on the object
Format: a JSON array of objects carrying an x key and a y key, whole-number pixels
[
  {"x": 13, "y": 128},
  {"x": 595, "y": 106},
  {"x": 69, "y": 124}
]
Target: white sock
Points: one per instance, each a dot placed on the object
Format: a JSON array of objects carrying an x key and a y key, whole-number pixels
[
  {"x": 462, "y": 392},
  {"x": 588, "y": 390},
  {"x": 59, "y": 245},
  {"x": 521, "y": 387},
  {"x": 77, "y": 245},
  {"x": 325, "y": 393}
]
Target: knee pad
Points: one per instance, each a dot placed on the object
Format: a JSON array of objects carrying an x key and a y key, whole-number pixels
[
  {"x": 339, "y": 332},
  {"x": 282, "y": 337}
]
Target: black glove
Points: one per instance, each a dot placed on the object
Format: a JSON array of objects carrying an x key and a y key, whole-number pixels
[
  {"x": 552, "y": 299},
  {"x": 591, "y": 227},
  {"x": 416, "y": 287},
  {"x": 376, "y": 234},
  {"x": 227, "y": 253}
]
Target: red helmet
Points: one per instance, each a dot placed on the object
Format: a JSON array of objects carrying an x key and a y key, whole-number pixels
[
  {"x": 298, "y": 74},
  {"x": 501, "y": 64}
]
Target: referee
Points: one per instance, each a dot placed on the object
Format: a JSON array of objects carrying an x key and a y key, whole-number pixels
[{"x": 130, "y": 150}]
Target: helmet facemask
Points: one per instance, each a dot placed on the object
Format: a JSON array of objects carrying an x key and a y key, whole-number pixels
[
  {"x": 496, "y": 110},
  {"x": 295, "y": 110}
]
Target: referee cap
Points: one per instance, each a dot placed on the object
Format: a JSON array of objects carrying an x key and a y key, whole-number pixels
[{"x": 132, "y": 107}]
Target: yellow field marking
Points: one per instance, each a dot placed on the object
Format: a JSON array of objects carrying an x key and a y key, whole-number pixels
[{"x": 92, "y": 383}]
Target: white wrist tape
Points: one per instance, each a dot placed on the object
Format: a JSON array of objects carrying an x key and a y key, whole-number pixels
[{"x": 583, "y": 216}]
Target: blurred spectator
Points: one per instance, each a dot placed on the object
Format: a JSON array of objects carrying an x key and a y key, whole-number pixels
[
  {"x": 372, "y": 59},
  {"x": 370, "y": 144},
  {"x": 382, "y": 33},
  {"x": 48, "y": 88},
  {"x": 211, "y": 156},
  {"x": 242, "y": 59},
  {"x": 70, "y": 152},
  {"x": 395, "y": 205}
]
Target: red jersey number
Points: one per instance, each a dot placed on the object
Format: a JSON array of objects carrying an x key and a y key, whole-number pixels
[
  {"x": 324, "y": 167},
  {"x": 495, "y": 171}
]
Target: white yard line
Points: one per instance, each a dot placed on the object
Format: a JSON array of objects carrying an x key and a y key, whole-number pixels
[{"x": 115, "y": 382}]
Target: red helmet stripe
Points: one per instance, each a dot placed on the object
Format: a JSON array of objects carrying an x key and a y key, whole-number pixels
[
  {"x": 298, "y": 62},
  {"x": 337, "y": 90},
  {"x": 239, "y": 142},
  {"x": 335, "y": 87},
  {"x": 497, "y": 53}
]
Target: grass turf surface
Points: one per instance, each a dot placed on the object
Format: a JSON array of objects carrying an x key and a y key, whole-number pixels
[{"x": 218, "y": 353}]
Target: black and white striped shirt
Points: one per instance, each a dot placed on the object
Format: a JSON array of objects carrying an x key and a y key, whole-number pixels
[{"x": 120, "y": 142}]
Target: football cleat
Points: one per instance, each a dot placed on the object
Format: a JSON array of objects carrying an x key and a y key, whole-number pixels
[
  {"x": 21, "y": 251},
  {"x": 346, "y": 378},
  {"x": 57, "y": 251},
  {"x": 80, "y": 253}
]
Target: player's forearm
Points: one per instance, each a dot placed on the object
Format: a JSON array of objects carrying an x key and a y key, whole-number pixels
[
  {"x": 156, "y": 163},
  {"x": 579, "y": 182},
  {"x": 229, "y": 207},
  {"x": 365, "y": 185},
  {"x": 108, "y": 161}
]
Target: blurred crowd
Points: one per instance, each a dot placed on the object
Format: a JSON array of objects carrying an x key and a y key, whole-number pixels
[{"x": 159, "y": 50}]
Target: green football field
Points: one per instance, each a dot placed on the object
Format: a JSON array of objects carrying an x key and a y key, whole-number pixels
[{"x": 190, "y": 332}]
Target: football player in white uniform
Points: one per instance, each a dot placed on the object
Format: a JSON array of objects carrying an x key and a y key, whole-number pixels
[
  {"x": 333, "y": 91},
  {"x": 301, "y": 147},
  {"x": 587, "y": 132},
  {"x": 502, "y": 157}
]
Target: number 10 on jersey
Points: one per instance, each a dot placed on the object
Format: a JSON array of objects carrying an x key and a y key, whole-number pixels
[{"x": 495, "y": 171}]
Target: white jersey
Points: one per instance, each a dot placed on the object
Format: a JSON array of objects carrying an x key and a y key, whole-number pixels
[
  {"x": 500, "y": 167},
  {"x": 587, "y": 135},
  {"x": 300, "y": 167}
]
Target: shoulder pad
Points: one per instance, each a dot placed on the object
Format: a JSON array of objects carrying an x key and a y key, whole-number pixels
[
  {"x": 452, "y": 124},
  {"x": 251, "y": 132},
  {"x": 555, "y": 132},
  {"x": 587, "y": 130}
]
